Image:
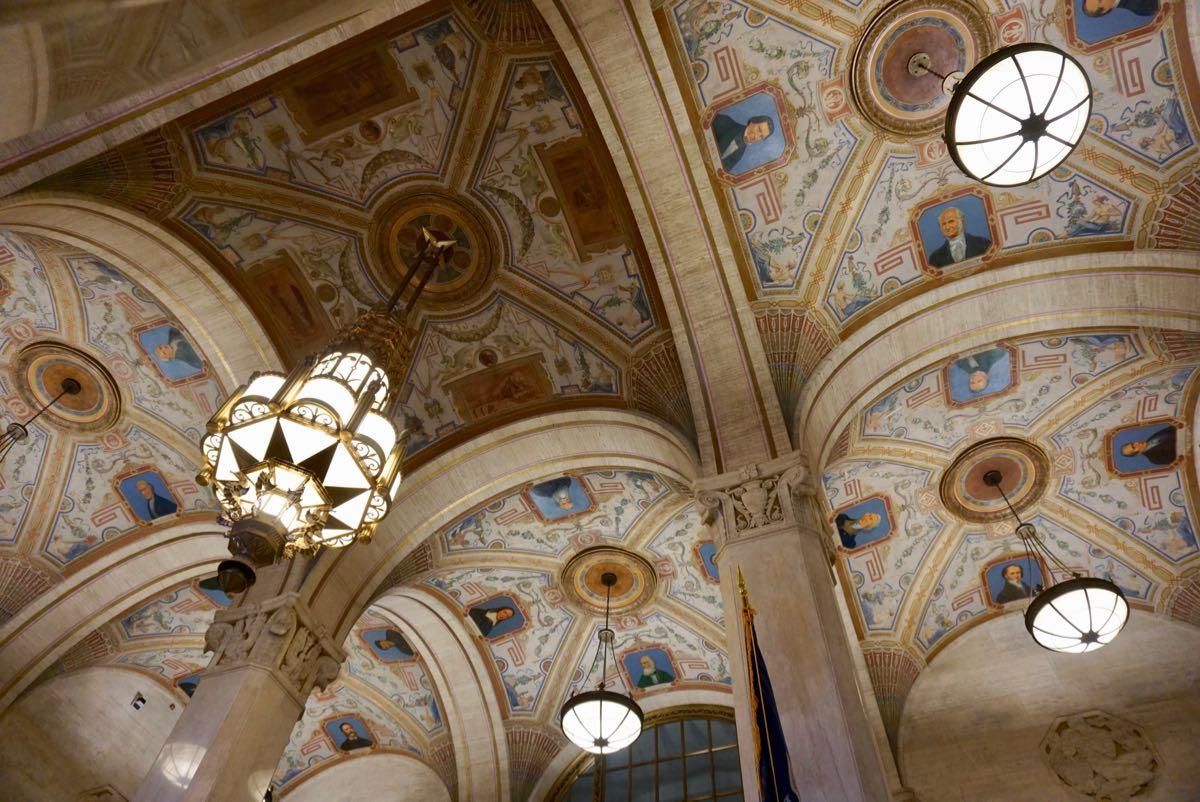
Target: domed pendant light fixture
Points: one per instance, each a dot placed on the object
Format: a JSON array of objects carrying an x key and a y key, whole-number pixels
[
  {"x": 18, "y": 432},
  {"x": 1016, "y": 115},
  {"x": 602, "y": 721},
  {"x": 311, "y": 458},
  {"x": 1075, "y": 616}
]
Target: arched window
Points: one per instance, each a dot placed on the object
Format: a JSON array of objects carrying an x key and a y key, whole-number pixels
[{"x": 683, "y": 755}]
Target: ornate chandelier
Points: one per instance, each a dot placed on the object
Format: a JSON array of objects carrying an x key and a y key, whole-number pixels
[
  {"x": 1075, "y": 616},
  {"x": 311, "y": 458},
  {"x": 602, "y": 721},
  {"x": 1016, "y": 115}
]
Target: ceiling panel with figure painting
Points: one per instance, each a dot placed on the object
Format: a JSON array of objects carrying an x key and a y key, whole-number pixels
[
  {"x": 1088, "y": 429},
  {"x": 309, "y": 189},
  {"x": 829, "y": 161}
]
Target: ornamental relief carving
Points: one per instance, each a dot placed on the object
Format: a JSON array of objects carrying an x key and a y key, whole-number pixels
[
  {"x": 279, "y": 634},
  {"x": 1102, "y": 756},
  {"x": 757, "y": 497}
]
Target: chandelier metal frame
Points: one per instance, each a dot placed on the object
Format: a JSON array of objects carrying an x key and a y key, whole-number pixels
[
  {"x": 599, "y": 740},
  {"x": 1058, "y": 603}
]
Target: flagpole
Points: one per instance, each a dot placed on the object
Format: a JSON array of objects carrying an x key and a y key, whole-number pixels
[{"x": 755, "y": 685}]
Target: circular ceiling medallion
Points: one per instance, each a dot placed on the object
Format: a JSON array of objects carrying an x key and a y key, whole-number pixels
[
  {"x": 583, "y": 573},
  {"x": 1025, "y": 470},
  {"x": 396, "y": 240},
  {"x": 42, "y": 367},
  {"x": 954, "y": 34}
]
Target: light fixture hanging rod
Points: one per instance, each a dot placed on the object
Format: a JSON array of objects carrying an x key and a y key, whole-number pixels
[
  {"x": 921, "y": 64},
  {"x": 16, "y": 432},
  {"x": 432, "y": 255}
]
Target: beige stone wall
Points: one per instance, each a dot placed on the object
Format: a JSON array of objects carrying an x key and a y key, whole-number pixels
[
  {"x": 373, "y": 777},
  {"x": 977, "y": 714},
  {"x": 79, "y": 731}
]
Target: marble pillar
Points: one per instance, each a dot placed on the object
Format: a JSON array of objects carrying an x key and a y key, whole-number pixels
[
  {"x": 767, "y": 526},
  {"x": 269, "y": 652}
]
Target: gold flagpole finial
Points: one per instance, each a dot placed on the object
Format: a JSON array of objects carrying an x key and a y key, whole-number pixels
[{"x": 742, "y": 588}]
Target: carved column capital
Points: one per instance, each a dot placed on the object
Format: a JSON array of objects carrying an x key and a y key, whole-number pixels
[
  {"x": 280, "y": 635},
  {"x": 759, "y": 499}
]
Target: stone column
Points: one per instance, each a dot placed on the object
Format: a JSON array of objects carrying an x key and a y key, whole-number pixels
[
  {"x": 767, "y": 526},
  {"x": 268, "y": 653}
]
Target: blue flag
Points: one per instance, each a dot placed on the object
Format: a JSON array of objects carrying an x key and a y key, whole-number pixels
[{"x": 770, "y": 748}]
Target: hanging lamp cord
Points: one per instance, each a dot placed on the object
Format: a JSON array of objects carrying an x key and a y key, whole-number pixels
[{"x": 1033, "y": 542}]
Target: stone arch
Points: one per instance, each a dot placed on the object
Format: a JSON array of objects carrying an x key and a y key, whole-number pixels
[
  {"x": 439, "y": 491},
  {"x": 403, "y": 776},
  {"x": 1143, "y": 288},
  {"x": 460, "y": 671}
]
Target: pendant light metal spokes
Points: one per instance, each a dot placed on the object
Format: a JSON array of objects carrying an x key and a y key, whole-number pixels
[
  {"x": 602, "y": 721},
  {"x": 1075, "y": 616},
  {"x": 1040, "y": 88}
]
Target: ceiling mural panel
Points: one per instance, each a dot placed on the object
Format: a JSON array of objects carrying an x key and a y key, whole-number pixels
[
  {"x": 694, "y": 577},
  {"x": 115, "y": 486},
  {"x": 773, "y": 148},
  {"x": 351, "y": 124},
  {"x": 503, "y": 358},
  {"x": 552, "y": 184},
  {"x": 187, "y": 610},
  {"x": 519, "y": 615},
  {"x": 548, "y": 517},
  {"x": 339, "y": 722},
  {"x": 1013, "y": 384},
  {"x": 966, "y": 589},
  {"x": 1127, "y": 452},
  {"x": 655, "y": 653},
  {"x": 1088, "y": 428},
  {"x": 146, "y": 350},
  {"x": 841, "y": 219},
  {"x": 116, "y": 451},
  {"x": 25, "y": 294},
  {"x": 885, "y": 528},
  {"x": 379, "y": 656}
]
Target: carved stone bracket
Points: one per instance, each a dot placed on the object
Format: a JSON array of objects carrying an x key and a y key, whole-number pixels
[
  {"x": 759, "y": 499},
  {"x": 280, "y": 635}
]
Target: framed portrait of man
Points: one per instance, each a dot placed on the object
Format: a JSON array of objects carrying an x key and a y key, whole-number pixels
[
  {"x": 954, "y": 229},
  {"x": 864, "y": 522},
  {"x": 1147, "y": 447},
  {"x": 1013, "y": 578},
  {"x": 750, "y": 133}
]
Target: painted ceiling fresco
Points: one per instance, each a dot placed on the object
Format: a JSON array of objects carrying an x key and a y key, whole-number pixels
[
  {"x": 839, "y": 219},
  {"x": 509, "y": 552},
  {"x": 307, "y": 192},
  {"x": 1109, "y": 410},
  {"x": 118, "y": 458}
]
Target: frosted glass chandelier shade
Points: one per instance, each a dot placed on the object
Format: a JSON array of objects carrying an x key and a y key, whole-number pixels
[
  {"x": 1018, "y": 114},
  {"x": 312, "y": 453},
  {"x": 1077, "y": 616},
  {"x": 601, "y": 722}
]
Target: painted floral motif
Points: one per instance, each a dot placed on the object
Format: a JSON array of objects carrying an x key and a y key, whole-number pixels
[
  {"x": 356, "y": 128},
  {"x": 882, "y": 255},
  {"x": 183, "y": 611},
  {"x": 691, "y": 657},
  {"x": 24, "y": 291},
  {"x": 616, "y": 500},
  {"x": 328, "y": 258},
  {"x": 310, "y": 744},
  {"x": 405, "y": 684},
  {"x": 679, "y": 540},
  {"x": 503, "y": 357},
  {"x": 883, "y": 574},
  {"x": 92, "y": 512},
  {"x": 118, "y": 313},
  {"x": 542, "y": 177},
  {"x": 525, "y": 655},
  {"x": 780, "y": 210},
  {"x": 960, "y": 596},
  {"x": 1047, "y": 370},
  {"x": 1151, "y": 507},
  {"x": 169, "y": 663}
]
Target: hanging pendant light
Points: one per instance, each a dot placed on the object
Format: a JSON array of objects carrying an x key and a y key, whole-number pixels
[
  {"x": 312, "y": 458},
  {"x": 19, "y": 432},
  {"x": 1016, "y": 115},
  {"x": 1075, "y": 616},
  {"x": 602, "y": 721}
]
